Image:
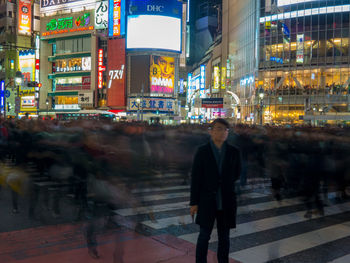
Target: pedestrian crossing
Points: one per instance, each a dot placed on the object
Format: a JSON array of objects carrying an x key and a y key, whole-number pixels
[{"x": 267, "y": 230}]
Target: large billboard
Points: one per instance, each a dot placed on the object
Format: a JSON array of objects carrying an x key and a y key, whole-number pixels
[
  {"x": 154, "y": 24},
  {"x": 24, "y": 17},
  {"x": 162, "y": 74},
  {"x": 116, "y": 73}
]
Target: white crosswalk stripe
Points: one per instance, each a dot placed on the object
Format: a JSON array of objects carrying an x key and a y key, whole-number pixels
[
  {"x": 187, "y": 194},
  {"x": 287, "y": 246},
  {"x": 269, "y": 223},
  {"x": 184, "y": 205},
  {"x": 290, "y": 215},
  {"x": 344, "y": 259}
]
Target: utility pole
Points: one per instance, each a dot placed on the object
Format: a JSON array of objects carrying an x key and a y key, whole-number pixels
[{"x": 142, "y": 93}]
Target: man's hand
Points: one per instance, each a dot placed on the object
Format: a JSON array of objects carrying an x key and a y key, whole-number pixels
[{"x": 194, "y": 210}]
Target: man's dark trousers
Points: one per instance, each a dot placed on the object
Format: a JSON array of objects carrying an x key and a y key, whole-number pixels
[{"x": 223, "y": 244}]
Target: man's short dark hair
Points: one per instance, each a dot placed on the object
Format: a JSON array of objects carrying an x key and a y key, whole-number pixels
[{"x": 221, "y": 121}]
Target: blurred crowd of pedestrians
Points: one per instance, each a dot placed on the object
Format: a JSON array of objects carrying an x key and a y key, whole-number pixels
[{"x": 98, "y": 163}]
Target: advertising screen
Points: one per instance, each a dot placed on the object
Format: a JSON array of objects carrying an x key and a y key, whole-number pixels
[
  {"x": 24, "y": 17},
  {"x": 116, "y": 73},
  {"x": 154, "y": 32},
  {"x": 162, "y": 74}
]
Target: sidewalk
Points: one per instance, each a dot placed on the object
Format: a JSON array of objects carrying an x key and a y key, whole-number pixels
[{"x": 66, "y": 243}]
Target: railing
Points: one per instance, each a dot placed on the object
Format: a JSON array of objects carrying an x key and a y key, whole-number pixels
[{"x": 301, "y": 99}]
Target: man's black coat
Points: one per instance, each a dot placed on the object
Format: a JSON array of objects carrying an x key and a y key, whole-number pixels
[{"x": 205, "y": 184}]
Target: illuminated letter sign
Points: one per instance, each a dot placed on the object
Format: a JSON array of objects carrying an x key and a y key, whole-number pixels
[
  {"x": 223, "y": 78},
  {"x": 216, "y": 85},
  {"x": 100, "y": 68},
  {"x": 2, "y": 94},
  {"x": 116, "y": 24},
  {"x": 202, "y": 74},
  {"x": 101, "y": 15},
  {"x": 116, "y": 74},
  {"x": 24, "y": 17}
]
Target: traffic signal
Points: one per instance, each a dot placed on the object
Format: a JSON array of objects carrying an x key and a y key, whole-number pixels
[{"x": 39, "y": 85}]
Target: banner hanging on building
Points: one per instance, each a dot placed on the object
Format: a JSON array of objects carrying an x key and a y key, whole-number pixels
[
  {"x": 162, "y": 74},
  {"x": 101, "y": 15},
  {"x": 300, "y": 48},
  {"x": 24, "y": 17}
]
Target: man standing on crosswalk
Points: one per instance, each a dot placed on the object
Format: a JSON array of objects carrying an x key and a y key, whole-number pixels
[{"x": 215, "y": 169}]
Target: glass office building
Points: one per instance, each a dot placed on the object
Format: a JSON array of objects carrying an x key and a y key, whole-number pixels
[{"x": 303, "y": 60}]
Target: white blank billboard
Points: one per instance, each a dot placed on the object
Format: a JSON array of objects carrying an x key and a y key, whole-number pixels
[{"x": 154, "y": 32}]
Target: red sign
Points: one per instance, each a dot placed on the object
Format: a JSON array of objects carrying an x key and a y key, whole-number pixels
[
  {"x": 37, "y": 64},
  {"x": 86, "y": 81},
  {"x": 100, "y": 69},
  {"x": 24, "y": 17},
  {"x": 116, "y": 73}
]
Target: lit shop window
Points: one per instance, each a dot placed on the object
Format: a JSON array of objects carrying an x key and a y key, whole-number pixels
[
  {"x": 73, "y": 64},
  {"x": 63, "y": 100}
]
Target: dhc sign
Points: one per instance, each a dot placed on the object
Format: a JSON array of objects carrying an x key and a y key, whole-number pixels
[{"x": 172, "y": 8}]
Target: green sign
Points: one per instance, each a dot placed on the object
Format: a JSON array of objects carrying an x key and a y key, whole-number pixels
[{"x": 67, "y": 22}]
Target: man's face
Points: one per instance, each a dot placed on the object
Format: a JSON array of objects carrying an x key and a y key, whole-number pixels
[
  {"x": 219, "y": 133},
  {"x": 167, "y": 66}
]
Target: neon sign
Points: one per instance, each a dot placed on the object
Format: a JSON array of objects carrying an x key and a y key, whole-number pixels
[
  {"x": 67, "y": 22},
  {"x": 116, "y": 18},
  {"x": 100, "y": 69}
]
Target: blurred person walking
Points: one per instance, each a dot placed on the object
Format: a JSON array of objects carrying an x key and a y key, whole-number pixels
[{"x": 215, "y": 169}]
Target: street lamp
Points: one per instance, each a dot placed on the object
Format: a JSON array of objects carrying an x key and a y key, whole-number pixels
[
  {"x": 138, "y": 100},
  {"x": 261, "y": 104},
  {"x": 47, "y": 106},
  {"x": 18, "y": 81}
]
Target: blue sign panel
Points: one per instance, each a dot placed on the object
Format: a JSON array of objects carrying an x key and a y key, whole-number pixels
[
  {"x": 7, "y": 93},
  {"x": 172, "y": 8},
  {"x": 116, "y": 18},
  {"x": 2, "y": 94}
]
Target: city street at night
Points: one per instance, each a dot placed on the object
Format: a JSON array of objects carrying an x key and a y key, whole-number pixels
[{"x": 174, "y": 131}]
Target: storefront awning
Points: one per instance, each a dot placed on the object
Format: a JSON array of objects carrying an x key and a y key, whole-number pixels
[{"x": 66, "y": 93}]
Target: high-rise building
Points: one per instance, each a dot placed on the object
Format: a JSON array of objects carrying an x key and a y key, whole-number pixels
[
  {"x": 19, "y": 27},
  {"x": 203, "y": 27},
  {"x": 303, "y": 61}
]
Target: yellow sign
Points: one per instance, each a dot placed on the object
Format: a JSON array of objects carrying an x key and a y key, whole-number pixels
[
  {"x": 223, "y": 78},
  {"x": 216, "y": 85}
]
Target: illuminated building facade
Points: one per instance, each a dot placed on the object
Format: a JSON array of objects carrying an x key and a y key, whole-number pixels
[
  {"x": 19, "y": 28},
  {"x": 304, "y": 61},
  {"x": 69, "y": 55}
]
